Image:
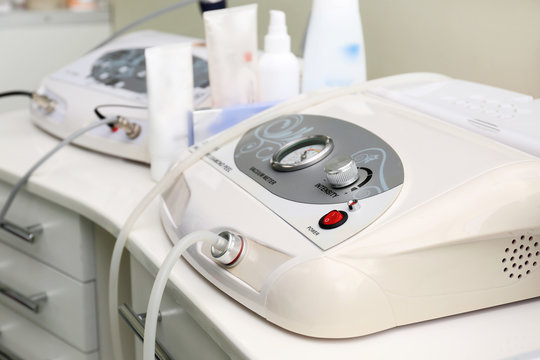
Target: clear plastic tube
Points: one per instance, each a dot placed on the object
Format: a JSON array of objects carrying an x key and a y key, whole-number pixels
[
  {"x": 152, "y": 311},
  {"x": 291, "y": 106}
]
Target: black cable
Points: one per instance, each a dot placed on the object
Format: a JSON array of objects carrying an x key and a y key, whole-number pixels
[
  {"x": 17, "y": 93},
  {"x": 103, "y": 117}
]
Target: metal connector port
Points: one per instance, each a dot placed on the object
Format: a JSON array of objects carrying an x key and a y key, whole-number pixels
[
  {"x": 132, "y": 129},
  {"x": 228, "y": 248},
  {"x": 43, "y": 102}
]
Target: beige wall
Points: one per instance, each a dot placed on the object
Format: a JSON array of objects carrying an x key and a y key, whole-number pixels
[
  {"x": 495, "y": 42},
  {"x": 32, "y": 51},
  {"x": 188, "y": 21}
]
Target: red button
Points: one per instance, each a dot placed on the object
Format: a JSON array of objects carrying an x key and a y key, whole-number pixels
[{"x": 333, "y": 217}]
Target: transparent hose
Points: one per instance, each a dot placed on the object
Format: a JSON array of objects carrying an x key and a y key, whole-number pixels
[
  {"x": 292, "y": 106},
  {"x": 152, "y": 311}
]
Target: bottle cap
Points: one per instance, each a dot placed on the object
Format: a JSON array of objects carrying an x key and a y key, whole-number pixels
[{"x": 277, "y": 39}]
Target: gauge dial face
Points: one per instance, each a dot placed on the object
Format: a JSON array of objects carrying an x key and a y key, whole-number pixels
[{"x": 302, "y": 153}]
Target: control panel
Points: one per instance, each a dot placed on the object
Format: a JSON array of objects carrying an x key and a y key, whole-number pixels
[
  {"x": 126, "y": 69},
  {"x": 327, "y": 177}
]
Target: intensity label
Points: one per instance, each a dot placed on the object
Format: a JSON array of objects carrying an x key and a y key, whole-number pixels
[{"x": 326, "y": 190}]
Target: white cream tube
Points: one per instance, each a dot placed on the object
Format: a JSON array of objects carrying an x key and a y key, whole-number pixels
[
  {"x": 169, "y": 76},
  {"x": 231, "y": 41}
]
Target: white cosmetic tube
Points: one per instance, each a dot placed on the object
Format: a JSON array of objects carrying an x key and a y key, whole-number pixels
[
  {"x": 231, "y": 41},
  {"x": 169, "y": 76}
]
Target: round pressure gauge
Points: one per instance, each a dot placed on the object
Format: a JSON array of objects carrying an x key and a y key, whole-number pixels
[{"x": 302, "y": 153}]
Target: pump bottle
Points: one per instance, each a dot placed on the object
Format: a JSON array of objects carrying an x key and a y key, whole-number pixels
[{"x": 278, "y": 67}]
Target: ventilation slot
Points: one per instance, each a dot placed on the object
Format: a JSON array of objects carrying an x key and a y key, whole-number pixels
[{"x": 521, "y": 257}]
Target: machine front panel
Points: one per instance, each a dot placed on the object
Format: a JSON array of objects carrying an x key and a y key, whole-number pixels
[{"x": 299, "y": 188}]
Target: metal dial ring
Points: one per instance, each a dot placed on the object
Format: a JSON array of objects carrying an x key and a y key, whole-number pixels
[{"x": 320, "y": 140}]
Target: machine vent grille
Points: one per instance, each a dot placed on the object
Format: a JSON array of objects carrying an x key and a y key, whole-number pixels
[{"x": 521, "y": 256}]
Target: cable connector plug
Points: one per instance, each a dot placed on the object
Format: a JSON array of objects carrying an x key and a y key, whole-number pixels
[
  {"x": 44, "y": 102},
  {"x": 132, "y": 129}
]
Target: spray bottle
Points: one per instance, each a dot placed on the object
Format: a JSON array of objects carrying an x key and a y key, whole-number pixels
[{"x": 278, "y": 67}]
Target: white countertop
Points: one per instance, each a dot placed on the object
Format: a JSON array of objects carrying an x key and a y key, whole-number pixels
[{"x": 105, "y": 190}]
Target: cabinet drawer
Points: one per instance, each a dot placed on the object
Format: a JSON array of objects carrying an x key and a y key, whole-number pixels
[
  {"x": 69, "y": 310},
  {"x": 178, "y": 333},
  {"x": 29, "y": 342},
  {"x": 66, "y": 241}
]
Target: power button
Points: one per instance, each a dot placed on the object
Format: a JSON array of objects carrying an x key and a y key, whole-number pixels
[{"x": 333, "y": 219}]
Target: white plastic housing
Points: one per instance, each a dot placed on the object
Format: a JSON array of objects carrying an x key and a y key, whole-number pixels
[
  {"x": 463, "y": 233},
  {"x": 77, "y": 95}
]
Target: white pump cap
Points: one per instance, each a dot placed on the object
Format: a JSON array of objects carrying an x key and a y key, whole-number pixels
[{"x": 277, "y": 39}]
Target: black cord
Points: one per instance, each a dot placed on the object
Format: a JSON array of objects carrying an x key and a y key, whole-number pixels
[
  {"x": 102, "y": 117},
  {"x": 17, "y": 93}
]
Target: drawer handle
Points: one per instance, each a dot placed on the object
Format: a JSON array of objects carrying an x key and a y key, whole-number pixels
[
  {"x": 6, "y": 354},
  {"x": 136, "y": 323},
  {"x": 28, "y": 234},
  {"x": 32, "y": 302}
]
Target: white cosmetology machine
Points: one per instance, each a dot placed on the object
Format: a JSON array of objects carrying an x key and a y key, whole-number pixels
[
  {"x": 114, "y": 74},
  {"x": 359, "y": 213}
]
